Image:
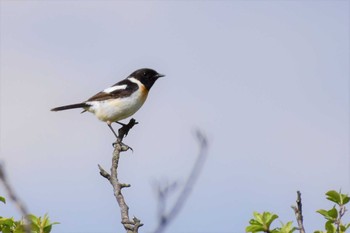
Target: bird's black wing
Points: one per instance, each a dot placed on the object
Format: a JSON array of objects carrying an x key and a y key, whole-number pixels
[{"x": 119, "y": 93}]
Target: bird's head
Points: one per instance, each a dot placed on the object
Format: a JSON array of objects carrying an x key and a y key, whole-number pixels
[{"x": 146, "y": 76}]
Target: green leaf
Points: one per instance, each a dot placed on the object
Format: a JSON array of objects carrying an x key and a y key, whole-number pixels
[
  {"x": 345, "y": 198},
  {"x": 19, "y": 227},
  {"x": 330, "y": 227},
  {"x": 342, "y": 228},
  {"x": 32, "y": 218},
  {"x": 20, "y": 230},
  {"x": 6, "y": 229},
  {"x": 269, "y": 218},
  {"x": 254, "y": 228},
  {"x": 258, "y": 217},
  {"x": 287, "y": 228},
  {"x": 6, "y": 221},
  {"x": 256, "y": 224},
  {"x": 2, "y": 199},
  {"x": 331, "y": 214},
  {"x": 322, "y": 212},
  {"x": 338, "y": 197},
  {"x": 333, "y": 196},
  {"x": 347, "y": 226},
  {"x": 35, "y": 227},
  {"x": 35, "y": 222},
  {"x": 45, "y": 221},
  {"x": 47, "y": 229},
  {"x": 261, "y": 222}
]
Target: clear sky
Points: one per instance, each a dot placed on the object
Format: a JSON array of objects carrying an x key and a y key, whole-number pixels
[{"x": 268, "y": 81}]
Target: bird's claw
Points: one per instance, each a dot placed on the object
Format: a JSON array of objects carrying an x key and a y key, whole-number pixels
[{"x": 123, "y": 147}]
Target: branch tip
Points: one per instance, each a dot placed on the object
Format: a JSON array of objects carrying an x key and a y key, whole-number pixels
[
  {"x": 299, "y": 213},
  {"x": 125, "y": 185},
  {"x": 104, "y": 173}
]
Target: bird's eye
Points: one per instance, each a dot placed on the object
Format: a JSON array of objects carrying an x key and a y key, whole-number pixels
[{"x": 144, "y": 73}]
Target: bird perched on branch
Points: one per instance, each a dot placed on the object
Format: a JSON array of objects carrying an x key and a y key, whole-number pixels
[{"x": 121, "y": 100}]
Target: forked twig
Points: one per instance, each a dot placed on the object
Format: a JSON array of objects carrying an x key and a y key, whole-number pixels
[{"x": 166, "y": 217}]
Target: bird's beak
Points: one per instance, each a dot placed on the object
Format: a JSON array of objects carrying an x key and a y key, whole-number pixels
[{"x": 160, "y": 75}]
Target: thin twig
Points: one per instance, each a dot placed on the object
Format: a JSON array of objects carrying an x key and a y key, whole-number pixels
[
  {"x": 342, "y": 210},
  {"x": 299, "y": 213},
  {"x": 18, "y": 203},
  {"x": 131, "y": 226},
  {"x": 166, "y": 218},
  {"x": 164, "y": 190}
]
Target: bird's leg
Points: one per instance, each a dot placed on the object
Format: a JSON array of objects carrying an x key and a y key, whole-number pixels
[
  {"x": 120, "y": 123},
  {"x": 110, "y": 126},
  {"x": 124, "y": 147},
  {"x": 122, "y": 132}
]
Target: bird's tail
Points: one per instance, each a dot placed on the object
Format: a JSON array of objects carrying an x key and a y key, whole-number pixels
[{"x": 80, "y": 105}]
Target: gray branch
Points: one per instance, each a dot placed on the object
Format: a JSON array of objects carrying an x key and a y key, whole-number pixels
[
  {"x": 299, "y": 213},
  {"x": 131, "y": 226},
  {"x": 163, "y": 192},
  {"x": 338, "y": 222},
  {"x": 12, "y": 195}
]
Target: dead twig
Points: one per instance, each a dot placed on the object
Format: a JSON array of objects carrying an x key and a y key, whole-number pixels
[
  {"x": 299, "y": 213},
  {"x": 14, "y": 198},
  {"x": 163, "y": 192},
  {"x": 338, "y": 222},
  {"x": 131, "y": 226}
]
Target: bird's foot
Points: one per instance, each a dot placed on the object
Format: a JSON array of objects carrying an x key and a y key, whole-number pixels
[
  {"x": 123, "y": 147},
  {"x": 124, "y": 130}
]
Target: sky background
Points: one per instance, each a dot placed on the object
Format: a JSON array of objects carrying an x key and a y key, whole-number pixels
[{"x": 267, "y": 81}]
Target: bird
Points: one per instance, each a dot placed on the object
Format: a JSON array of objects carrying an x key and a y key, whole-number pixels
[{"x": 121, "y": 100}]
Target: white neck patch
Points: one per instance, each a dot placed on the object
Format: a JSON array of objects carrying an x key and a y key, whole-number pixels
[{"x": 134, "y": 80}]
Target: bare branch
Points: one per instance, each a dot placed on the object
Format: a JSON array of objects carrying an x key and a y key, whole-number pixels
[
  {"x": 164, "y": 189},
  {"x": 163, "y": 192},
  {"x": 299, "y": 213},
  {"x": 104, "y": 173},
  {"x": 338, "y": 222},
  {"x": 18, "y": 203},
  {"x": 131, "y": 226}
]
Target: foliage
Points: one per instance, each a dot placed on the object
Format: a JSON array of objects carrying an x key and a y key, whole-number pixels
[
  {"x": 334, "y": 215},
  {"x": 37, "y": 224},
  {"x": 262, "y": 222}
]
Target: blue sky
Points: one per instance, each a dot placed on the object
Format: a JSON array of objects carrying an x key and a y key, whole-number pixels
[{"x": 268, "y": 81}]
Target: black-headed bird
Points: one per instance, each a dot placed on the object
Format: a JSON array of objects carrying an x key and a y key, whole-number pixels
[{"x": 121, "y": 100}]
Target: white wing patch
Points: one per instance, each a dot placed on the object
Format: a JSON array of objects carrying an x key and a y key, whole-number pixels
[{"x": 114, "y": 88}]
